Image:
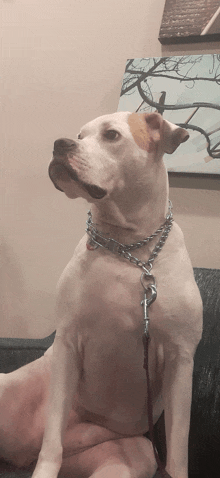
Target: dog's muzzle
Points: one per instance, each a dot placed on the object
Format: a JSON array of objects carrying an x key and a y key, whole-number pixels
[{"x": 60, "y": 168}]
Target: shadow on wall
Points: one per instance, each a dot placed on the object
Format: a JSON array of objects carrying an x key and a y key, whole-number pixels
[
  {"x": 24, "y": 311},
  {"x": 12, "y": 293}
]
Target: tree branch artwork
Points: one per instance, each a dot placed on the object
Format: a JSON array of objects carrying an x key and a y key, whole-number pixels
[{"x": 171, "y": 86}]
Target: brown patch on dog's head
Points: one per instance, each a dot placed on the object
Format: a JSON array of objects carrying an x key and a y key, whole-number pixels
[
  {"x": 150, "y": 129},
  {"x": 145, "y": 129}
]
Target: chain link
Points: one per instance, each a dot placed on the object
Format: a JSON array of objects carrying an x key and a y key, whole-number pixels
[{"x": 122, "y": 249}]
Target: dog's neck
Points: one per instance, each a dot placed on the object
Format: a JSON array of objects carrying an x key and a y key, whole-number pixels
[
  {"x": 130, "y": 224},
  {"x": 134, "y": 212}
]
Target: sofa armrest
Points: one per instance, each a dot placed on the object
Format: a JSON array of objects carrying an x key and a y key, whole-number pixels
[{"x": 14, "y": 353}]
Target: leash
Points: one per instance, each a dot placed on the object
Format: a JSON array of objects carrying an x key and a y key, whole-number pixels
[
  {"x": 97, "y": 239},
  {"x": 146, "y": 341}
]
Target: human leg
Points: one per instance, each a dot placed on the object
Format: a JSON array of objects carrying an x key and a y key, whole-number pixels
[{"x": 130, "y": 457}]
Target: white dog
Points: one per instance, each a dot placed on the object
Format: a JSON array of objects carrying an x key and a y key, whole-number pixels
[{"x": 97, "y": 411}]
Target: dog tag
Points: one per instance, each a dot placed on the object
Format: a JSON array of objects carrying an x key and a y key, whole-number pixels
[{"x": 91, "y": 245}]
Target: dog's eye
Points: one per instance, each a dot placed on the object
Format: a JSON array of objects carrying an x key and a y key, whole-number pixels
[
  {"x": 111, "y": 134},
  {"x": 79, "y": 136}
]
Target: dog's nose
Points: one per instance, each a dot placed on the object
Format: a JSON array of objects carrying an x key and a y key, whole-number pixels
[{"x": 63, "y": 145}]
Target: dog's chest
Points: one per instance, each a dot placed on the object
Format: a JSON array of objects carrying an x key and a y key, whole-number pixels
[
  {"x": 106, "y": 295},
  {"x": 107, "y": 292}
]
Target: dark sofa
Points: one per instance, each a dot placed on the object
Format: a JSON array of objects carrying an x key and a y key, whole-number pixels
[{"x": 204, "y": 439}]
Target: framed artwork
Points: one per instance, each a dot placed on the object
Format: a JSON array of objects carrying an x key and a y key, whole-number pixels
[
  {"x": 190, "y": 21},
  {"x": 186, "y": 91}
]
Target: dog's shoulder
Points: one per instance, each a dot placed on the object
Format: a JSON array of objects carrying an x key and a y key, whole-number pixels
[
  {"x": 177, "y": 238},
  {"x": 179, "y": 300},
  {"x": 174, "y": 256}
]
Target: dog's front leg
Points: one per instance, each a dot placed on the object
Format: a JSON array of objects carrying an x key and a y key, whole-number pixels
[
  {"x": 177, "y": 395},
  {"x": 63, "y": 387}
]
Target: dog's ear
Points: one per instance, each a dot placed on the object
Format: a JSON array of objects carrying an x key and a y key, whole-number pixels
[
  {"x": 173, "y": 136},
  {"x": 170, "y": 135},
  {"x": 150, "y": 129}
]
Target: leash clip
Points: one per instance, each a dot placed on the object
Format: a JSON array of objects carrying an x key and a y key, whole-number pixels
[
  {"x": 148, "y": 299},
  {"x": 149, "y": 287}
]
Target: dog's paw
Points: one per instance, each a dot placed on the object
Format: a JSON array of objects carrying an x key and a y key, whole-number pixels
[
  {"x": 46, "y": 469},
  {"x": 174, "y": 474}
]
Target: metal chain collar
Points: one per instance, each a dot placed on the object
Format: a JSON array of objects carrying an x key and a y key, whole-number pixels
[
  {"x": 97, "y": 239},
  {"x": 148, "y": 282}
]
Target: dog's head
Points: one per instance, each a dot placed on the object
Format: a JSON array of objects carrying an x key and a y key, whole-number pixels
[{"x": 112, "y": 151}]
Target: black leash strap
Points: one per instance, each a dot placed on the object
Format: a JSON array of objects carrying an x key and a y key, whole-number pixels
[
  {"x": 150, "y": 295},
  {"x": 161, "y": 472}
]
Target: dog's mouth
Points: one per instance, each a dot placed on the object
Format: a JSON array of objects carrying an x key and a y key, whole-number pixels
[
  {"x": 94, "y": 191},
  {"x": 61, "y": 171}
]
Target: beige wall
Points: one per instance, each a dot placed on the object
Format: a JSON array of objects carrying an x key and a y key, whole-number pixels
[{"x": 63, "y": 62}]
